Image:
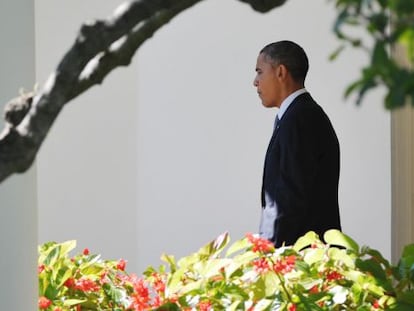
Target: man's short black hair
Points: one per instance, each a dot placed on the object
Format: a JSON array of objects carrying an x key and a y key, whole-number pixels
[{"x": 290, "y": 55}]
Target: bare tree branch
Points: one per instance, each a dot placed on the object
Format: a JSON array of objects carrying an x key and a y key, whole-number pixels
[
  {"x": 264, "y": 5},
  {"x": 100, "y": 47}
]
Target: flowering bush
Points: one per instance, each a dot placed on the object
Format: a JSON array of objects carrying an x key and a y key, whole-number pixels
[{"x": 252, "y": 275}]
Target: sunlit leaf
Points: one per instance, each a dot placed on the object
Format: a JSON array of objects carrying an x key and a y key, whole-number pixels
[
  {"x": 190, "y": 287},
  {"x": 336, "y": 273},
  {"x": 340, "y": 255},
  {"x": 67, "y": 246},
  {"x": 339, "y": 294},
  {"x": 170, "y": 260},
  {"x": 314, "y": 255},
  {"x": 239, "y": 245},
  {"x": 259, "y": 289},
  {"x": 118, "y": 295},
  {"x": 175, "y": 280},
  {"x": 263, "y": 304},
  {"x": 73, "y": 302},
  {"x": 215, "y": 246},
  {"x": 214, "y": 266},
  {"x": 336, "y": 237},
  {"x": 271, "y": 283},
  {"x": 306, "y": 241},
  {"x": 234, "y": 306}
]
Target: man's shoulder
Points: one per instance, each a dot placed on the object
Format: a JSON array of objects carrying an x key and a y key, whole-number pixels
[
  {"x": 305, "y": 112},
  {"x": 304, "y": 104}
]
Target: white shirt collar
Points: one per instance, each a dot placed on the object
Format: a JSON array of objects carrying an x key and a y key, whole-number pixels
[{"x": 288, "y": 100}]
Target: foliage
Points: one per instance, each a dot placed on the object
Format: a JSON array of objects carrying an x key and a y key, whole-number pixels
[
  {"x": 389, "y": 24},
  {"x": 252, "y": 275},
  {"x": 83, "y": 282}
]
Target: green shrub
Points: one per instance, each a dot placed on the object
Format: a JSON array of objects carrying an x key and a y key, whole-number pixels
[{"x": 251, "y": 275}]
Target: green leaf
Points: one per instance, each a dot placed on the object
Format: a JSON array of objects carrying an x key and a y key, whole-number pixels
[
  {"x": 233, "y": 268},
  {"x": 117, "y": 295},
  {"x": 214, "y": 247},
  {"x": 334, "y": 55},
  {"x": 169, "y": 306},
  {"x": 189, "y": 287},
  {"x": 372, "y": 267},
  {"x": 378, "y": 291},
  {"x": 406, "y": 38},
  {"x": 67, "y": 246},
  {"x": 43, "y": 284},
  {"x": 383, "y": 3},
  {"x": 408, "y": 254},
  {"x": 52, "y": 255},
  {"x": 379, "y": 55},
  {"x": 271, "y": 282},
  {"x": 90, "y": 262},
  {"x": 63, "y": 275},
  {"x": 73, "y": 302},
  {"x": 378, "y": 23},
  {"x": 376, "y": 255},
  {"x": 339, "y": 294},
  {"x": 170, "y": 260},
  {"x": 234, "y": 306},
  {"x": 306, "y": 241},
  {"x": 407, "y": 297},
  {"x": 402, "y": 7},
  {"x": 245, "y": 258},
  {"x": 396, "y": 97},
  {"x": 259, "y": 289},
  {"x": 92, "y": 269},
  {"x": 237, "y": 246},
  {"x": 336, "y": 237},
  {"x": 175, "y": 281},
  {"x": 263, "y": 304},
  {"x": 51, "y": 291},
  {"x": 235, "y": 292},
  {"x": 340, "y": 21},
  {"x": 314, "y": 255},
  {"x": 353, "y": 87},
  {"x": 213, "y": 267},
  {"x": 340, "y": 255},
  {"x": 190, "y": 260},
  {"x": 400, "y": 306}
]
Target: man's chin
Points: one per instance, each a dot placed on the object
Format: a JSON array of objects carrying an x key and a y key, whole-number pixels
[{"x": 268, "y": 105}]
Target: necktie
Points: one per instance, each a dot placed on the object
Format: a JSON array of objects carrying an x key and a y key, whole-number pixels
[{"x": 276, "y": 122}]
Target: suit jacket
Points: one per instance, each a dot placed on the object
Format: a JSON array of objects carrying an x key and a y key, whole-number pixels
[{"x": 301, "y": 172}]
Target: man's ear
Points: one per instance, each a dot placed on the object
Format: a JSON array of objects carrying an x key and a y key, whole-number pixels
[{"x": 282, "y": 71}]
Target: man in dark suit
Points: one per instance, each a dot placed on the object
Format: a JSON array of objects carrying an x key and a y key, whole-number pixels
[{"x": 301, "y": 169}]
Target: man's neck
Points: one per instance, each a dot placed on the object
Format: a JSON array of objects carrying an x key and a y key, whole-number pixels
[{"x": 288, "y": 100}]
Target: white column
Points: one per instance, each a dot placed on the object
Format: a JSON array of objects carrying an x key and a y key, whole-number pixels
[
  {"x": 402, "y": 147},
  {"x": 18, "y": 207}
]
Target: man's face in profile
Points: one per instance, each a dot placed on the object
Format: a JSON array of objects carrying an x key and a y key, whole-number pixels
[{"x": 267, "y": 82}]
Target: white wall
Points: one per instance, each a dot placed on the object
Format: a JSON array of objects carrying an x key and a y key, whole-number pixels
[
  {"x": 18, "y": 208},
  {"x": 203, "y": 132},
  {"x": 168, "y": 153},
  {"x": 87, "y": 166}
]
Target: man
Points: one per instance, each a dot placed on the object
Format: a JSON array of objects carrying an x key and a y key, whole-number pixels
[{"x": 301, "y": 169}]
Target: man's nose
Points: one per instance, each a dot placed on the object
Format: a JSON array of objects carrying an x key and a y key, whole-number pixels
[{"x": 255, "y": 82}]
